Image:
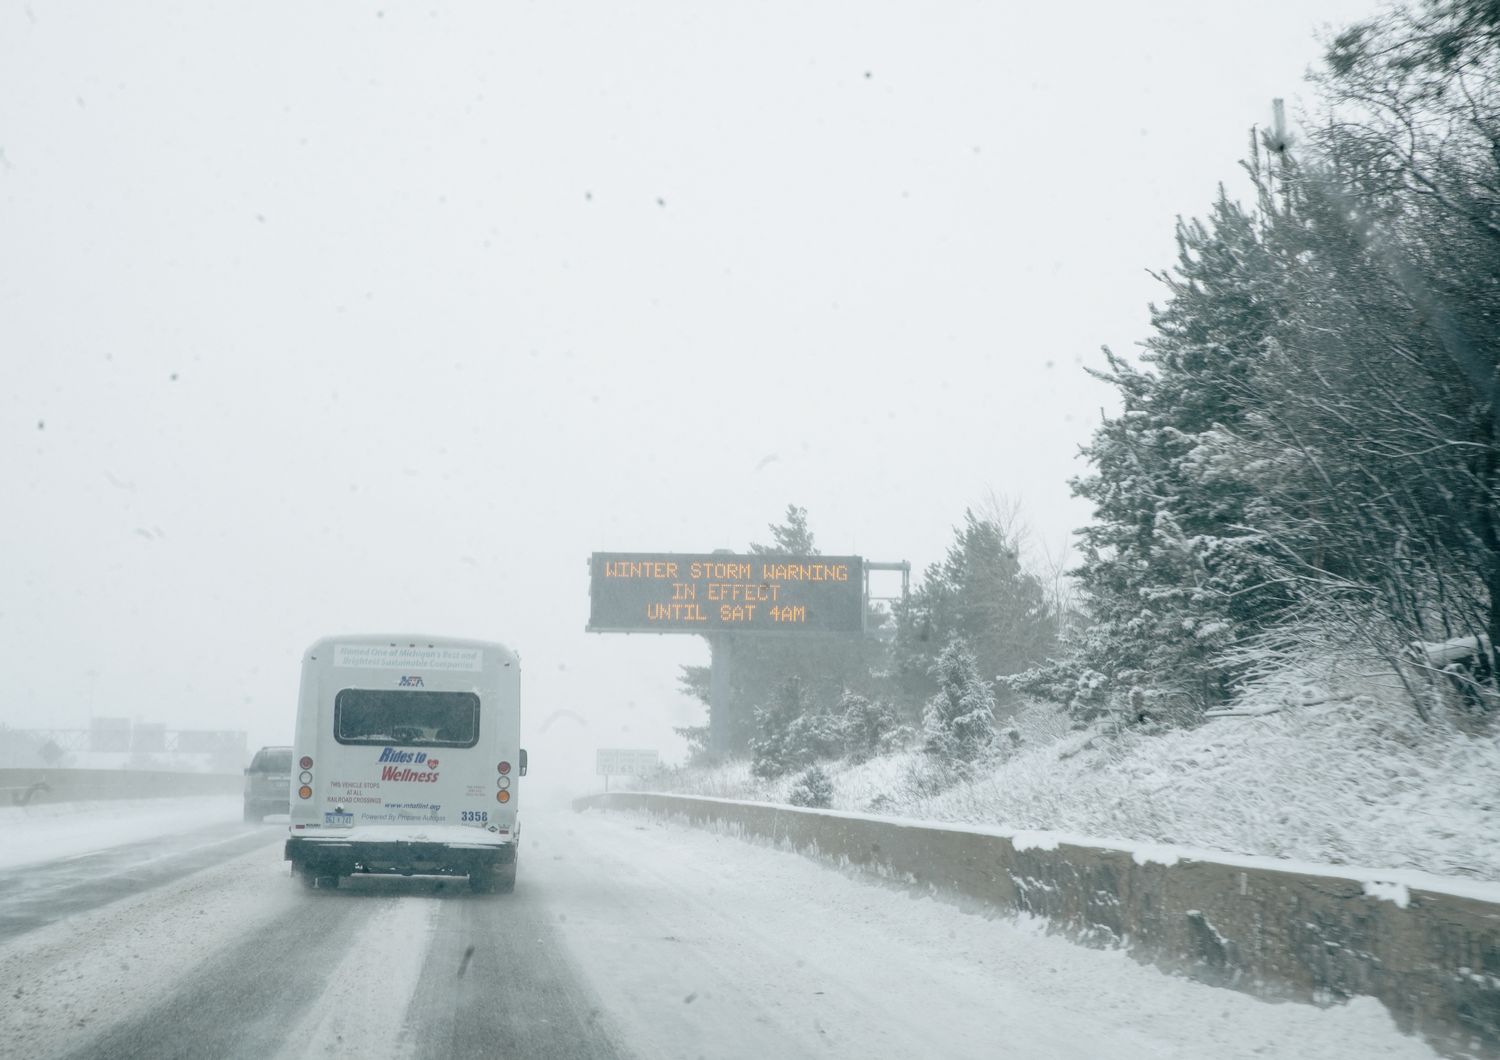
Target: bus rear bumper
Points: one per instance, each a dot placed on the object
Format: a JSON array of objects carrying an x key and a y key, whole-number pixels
[{"x": 340, "y": 856}]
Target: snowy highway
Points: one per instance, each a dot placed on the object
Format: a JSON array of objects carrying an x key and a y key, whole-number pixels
[{"x": 625, "y": 937}]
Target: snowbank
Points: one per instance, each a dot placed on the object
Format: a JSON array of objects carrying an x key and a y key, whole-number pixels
[{"x": 1352, "y": 781}]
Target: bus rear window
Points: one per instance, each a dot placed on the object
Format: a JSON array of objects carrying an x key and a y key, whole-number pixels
[{"x": 406, "y": 718}]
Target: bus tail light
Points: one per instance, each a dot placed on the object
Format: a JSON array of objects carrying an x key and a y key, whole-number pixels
[
  {"x": 504, "y": 768},
  {"x": 502, "y": 795}
]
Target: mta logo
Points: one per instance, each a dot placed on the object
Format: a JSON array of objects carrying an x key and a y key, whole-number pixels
[{"x": 411, "y": 682}]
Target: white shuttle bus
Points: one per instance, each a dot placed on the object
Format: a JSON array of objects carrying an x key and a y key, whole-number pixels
[{"x": 407, "y": 760}]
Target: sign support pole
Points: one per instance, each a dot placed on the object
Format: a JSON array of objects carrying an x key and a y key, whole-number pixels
[{"x": 721, "y": 661}]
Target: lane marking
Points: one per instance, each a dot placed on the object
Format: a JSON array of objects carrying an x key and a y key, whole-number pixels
[{"x": 180, "y": 852}]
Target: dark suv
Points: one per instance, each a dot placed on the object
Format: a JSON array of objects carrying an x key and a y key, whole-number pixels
[{"x": 268, "y": 783}]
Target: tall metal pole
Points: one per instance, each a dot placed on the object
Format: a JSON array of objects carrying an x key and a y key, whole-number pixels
[{"x": 721, "y": 659}]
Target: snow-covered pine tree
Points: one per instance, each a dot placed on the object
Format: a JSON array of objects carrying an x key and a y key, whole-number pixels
[
  {"x": 791, "y": 538},
  {"x": 982, "y": 593},
  {"x": 958, "y": 722},
  {"x": 826, "y": 665},
  {"x": 1314, "y": 441},
  {"x": 1401, "y": 183},
  {"x": 1169, "y": 575},
  {"x": 1372, "y": 441}
]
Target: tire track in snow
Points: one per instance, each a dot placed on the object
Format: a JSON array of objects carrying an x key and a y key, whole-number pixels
[
  {"x": 62, "y": 984},
  {"x": 498, "y": 982},
  {"x": 241, "y": 1001},
  {"x": 33, "y": 896},
  {"x": 362, "y": 1009}
]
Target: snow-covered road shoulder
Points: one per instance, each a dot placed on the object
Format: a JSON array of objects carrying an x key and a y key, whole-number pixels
[
  {"x": 1260, "y": 926},
  {"x": 705, "y": 945},
  {"x": 67, "y": 829}
]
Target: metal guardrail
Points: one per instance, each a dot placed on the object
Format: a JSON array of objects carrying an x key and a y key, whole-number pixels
[{"x": 1432, "y": 958}]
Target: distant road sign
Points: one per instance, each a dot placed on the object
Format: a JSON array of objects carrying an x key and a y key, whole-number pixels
[
  {"x": 670, "y": 592},
  {"x": 615, "y": 762}
]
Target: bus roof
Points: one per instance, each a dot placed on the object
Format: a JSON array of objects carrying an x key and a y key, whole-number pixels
[{"x": 410, "y": 641}]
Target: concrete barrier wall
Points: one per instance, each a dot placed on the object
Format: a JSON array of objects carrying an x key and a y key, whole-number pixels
[
  {"x": 34, "y": 786},
  {"x": 1432, "y": 958}
]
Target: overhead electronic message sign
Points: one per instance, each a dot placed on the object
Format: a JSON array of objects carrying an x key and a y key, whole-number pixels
[{"x": 666, "y": 592}]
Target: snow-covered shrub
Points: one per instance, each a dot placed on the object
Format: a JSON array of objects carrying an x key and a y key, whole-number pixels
[
  {"x": 813, "y": 788},
  {"x": 768, "y": 746},
  {"x": 813, "y": 737},
  {"x": 868, "y": 726},
  {"x": 927, "y": 776},
  {"x": 897, "y": 739},
  {"x": 792, "y": 732}
]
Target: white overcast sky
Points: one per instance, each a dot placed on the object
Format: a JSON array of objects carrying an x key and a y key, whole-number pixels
[{"x": 343, "y": 317}]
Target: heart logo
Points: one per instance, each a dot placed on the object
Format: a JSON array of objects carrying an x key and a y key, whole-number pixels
[{"x": 432, "y": 763}]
